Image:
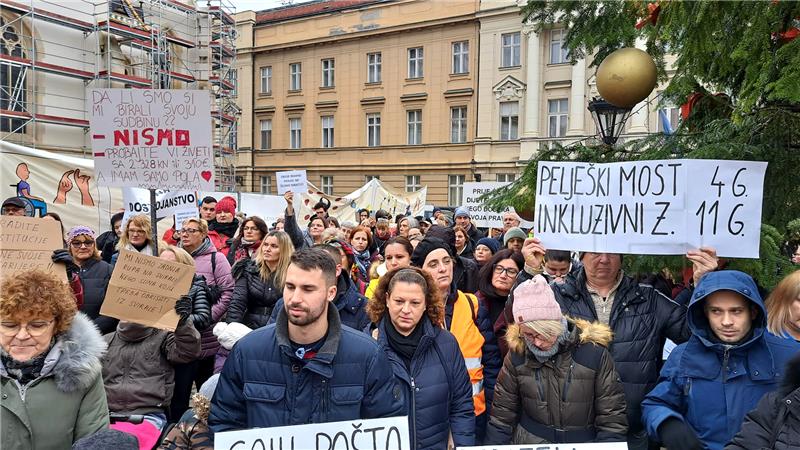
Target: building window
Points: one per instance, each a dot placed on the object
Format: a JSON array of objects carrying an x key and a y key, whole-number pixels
[
  {"x": 506, "y": 177},
  {"x": 558, "y": 49},
  {"x": 266, "y": 80},
  {"x": 295, "y": 133},
  {"x": 232, "y": 140},
  {"x": 233, "y": 79},
  {"x": 414, "y": 127},
  {"x": 461, "y": 57},
  {"x": 295, "y": 76},
  {"x": 327, "y": 132},
  {"x": 327, "y": 72},
  {"x": 13, "y": 92},
  {"x": 669, "y": 119},
  {"x": 368, "y": 178},
  {"x": 373, "y": 67},
  {"x": 557, "y": 117},
  {"x": 266, "y": 134},
  {"x": 266, "y": 184},
  {"x": 413, "y": 183},
  {"x": 327, "y": 184},
  {"x": 458, "y": 125},
  {"x": 455, "y": 189},
  {"x": 510, "y": 49},
  {"x": 373, "y": 130},
  {"x": 415, "y": 62},
  {"x": 509, "y": 121}
]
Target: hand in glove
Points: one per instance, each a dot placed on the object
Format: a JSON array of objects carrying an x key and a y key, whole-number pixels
[
  {"x": 183, "y": 307},
  {"x": 677, "y": 435},
  {"x": 62, "y": 256}
]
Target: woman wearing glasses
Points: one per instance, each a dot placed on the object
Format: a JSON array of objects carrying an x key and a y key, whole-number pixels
[
  {"x": 495, "y": 280},
  {"x": 83, "y": 258},
  {"x": 52, "y": 387},
  {"x": 248, "y": 239},
  {"x": 136, "y": 237}
]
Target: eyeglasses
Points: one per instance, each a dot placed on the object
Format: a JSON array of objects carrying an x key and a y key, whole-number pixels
[
  {"x": 35, "y": 329},
  {"x": 189, "y": 231},
  {"x": 79, "y": 244},
  {"x": 133, "y": 231},
  {"x": 510, "y": 271},
  {"x": 250, "y": 229}
]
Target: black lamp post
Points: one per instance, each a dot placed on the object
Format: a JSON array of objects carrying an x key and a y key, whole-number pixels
[{"x": 609, "y": 119}]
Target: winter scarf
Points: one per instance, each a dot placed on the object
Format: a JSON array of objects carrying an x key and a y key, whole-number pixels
[
  {"x": 227, "y": 229},
  {"x": 146, "y": 249},
  {"x": 405, "y": 346},
  {"x": 363, "y": 261},
  {"x": 202, "y": 248},
  {"x": 245, "y": 248},
  {"x": 24, "y": 371},
  {"x": 544, "y": 355}
]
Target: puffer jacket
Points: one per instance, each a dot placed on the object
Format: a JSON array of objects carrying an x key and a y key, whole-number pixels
[
  {"x": 253, "y": 297},
  {"x": 67, "y": 402},
  {"x": 224, "y": 280},
  {"x": 350, "y": 304},
  {"x": 201, "y": 309},
  {"x": 775, "y": 423},
  {"x": 576, "y": 390},
  {"x": 710, "y": 386},
  {"x": 137, "y": 370},
  {"x": 436, "y": 391},
  {"x": 95, "y": 275},
  {"x": 641, "y": 319},
  {"x": 263, "y": 384}
]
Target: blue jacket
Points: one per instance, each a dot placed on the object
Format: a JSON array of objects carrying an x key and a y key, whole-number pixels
[
  {"x": 710, "y": 385},
  {"x": 437, "y": 393},
  {"x": 350, "y": 304},
  {"x": 263, "y": 383}
]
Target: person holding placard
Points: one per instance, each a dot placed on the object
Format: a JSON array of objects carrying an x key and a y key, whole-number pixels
[
  {"x": 309, "y": 237},
  {"x": 425, "y": 358},
  {"x": 307, "y": 367}
]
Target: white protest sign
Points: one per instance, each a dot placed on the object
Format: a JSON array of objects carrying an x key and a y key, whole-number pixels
[
  {"x": 181, "y": 216},
  {"x": 384, "y": 434},
  {"x": 480, "y": 215},
  {"x": 267, "y": 207},
  {"x": 585, "y": 446},
  {"x": 151, "y": 138},
  {"x": 292, "y": 180},
  {"x": 137, "y": 201},
  {"x": 663, "y": 207}
]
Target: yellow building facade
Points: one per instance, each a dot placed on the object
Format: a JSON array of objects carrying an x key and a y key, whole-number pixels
[{"x": 355, "y": 90}]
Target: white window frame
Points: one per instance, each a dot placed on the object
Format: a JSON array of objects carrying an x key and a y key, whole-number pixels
[
  {"x": 326, "y": 184},
  {"x": 295, "y": 76},
  {"x": 266, "y": 80},
  {"x": 373, "y": 129},
  {"x": 265, "y": 128},
  {"x": 414, "y": 126},
  {"x": 509, "y": 121},
  {"x": 327, "y": 125},
  {"x": 266, "y": 184},
  {"x": 557, "y": 117},
  {"x": 295, "y": 133},
  {"x": 374, "y": 61},
  {"x": 413, "y": 183},
  {"x": 460, "y": 57},
  {"x": 510, "y": 44},
  {"x": 506, "y": 177},
  {"x": 558, "y": 52},
  {"x": 328, "y": 68},
  {"x": 416, "y": 56},
  {"x": 458, "y": 124},
  {"x": 455, "y": 189}
]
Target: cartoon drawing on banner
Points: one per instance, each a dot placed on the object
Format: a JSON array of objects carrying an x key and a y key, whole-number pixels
[{"x": 65, "y": 185}]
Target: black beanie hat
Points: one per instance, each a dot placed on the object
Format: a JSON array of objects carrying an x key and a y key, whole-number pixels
[
  {"x": 105, "y": 439},
  {"x": 428, "y": 245}
]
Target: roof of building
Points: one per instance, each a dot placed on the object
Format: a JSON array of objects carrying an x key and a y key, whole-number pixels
[{"x": 312, "y": 8}]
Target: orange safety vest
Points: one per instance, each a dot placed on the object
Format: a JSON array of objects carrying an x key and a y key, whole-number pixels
[{"x": 470, "y": 340}]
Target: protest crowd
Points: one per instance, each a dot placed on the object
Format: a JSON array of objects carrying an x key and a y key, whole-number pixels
[{"x": 480, "y": 337}]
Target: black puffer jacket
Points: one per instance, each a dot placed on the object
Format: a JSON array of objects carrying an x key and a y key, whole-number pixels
[
  {"x": 95, "y": 275},
  {"x": 201, "y": 308},
  {"x": 641, "y": 319},
  {"x": 253, "y": 297},
  {"x": 775, "y": 423}
]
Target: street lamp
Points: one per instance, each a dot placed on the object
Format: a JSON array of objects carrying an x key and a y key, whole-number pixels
[{"x": 609, "y": 119}]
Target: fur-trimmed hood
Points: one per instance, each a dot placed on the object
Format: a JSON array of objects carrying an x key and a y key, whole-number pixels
[
  {"x": 74, "y": 360},
  {"x": 582, "y": 331}
]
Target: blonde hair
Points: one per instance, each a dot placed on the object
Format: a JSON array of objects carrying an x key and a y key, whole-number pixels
[
  {"x": 779, "y": 304},
  {"x": 140, "y": 220},
  {"x": 202, "y": 225},
  {"x": 286, "y": 248},
  {"x": 547, "y": 328},
  {"x": 181, "y": 255}
]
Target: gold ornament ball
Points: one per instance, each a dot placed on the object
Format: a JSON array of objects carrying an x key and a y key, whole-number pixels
[{"x": 626, "y": 77}]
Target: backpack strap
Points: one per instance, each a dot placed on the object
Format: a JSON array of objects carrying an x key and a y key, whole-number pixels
[
  {"x": 473, "y": 307},
  {"x": 214, "y": 266}
]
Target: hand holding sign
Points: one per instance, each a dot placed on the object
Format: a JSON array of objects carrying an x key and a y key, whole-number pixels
[
  {"x": 533, "y": 252},
  {"x": 703, "y": 261}
]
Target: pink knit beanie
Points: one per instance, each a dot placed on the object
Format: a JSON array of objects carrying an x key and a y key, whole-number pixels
[{"x": 534, "y": 300}]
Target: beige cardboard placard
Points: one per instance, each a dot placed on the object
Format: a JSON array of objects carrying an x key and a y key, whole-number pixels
[
  {"x": 144, "y": 289},
  {"x": 27, "y": 243}
]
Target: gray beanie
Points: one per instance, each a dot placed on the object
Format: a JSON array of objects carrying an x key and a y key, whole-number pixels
[
  {"x": 105, "y": 439},
  {"x": 514, "y": 232},
  {"x": 208, "y": 388}
]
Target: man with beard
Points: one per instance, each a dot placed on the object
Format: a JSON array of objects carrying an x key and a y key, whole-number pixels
[{"x": 307, "y": 367}]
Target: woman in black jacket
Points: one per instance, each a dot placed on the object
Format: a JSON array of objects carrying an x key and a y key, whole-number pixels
[
  {"x": 201, "y": 319},
  {"x": 259, "y": 281}
]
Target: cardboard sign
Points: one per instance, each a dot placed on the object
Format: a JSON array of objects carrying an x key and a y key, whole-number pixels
[
  {"x": 292, "y": 180},
  {"x": 27, "y": 243},
  {"x": 152, "y": 138},
  {"x": 663, "y": 207},
  {"x": 384, "y": 434},
  {"x": 586, "y": 446},
  {"x": 480, "y": 215},
  {"x": 144, "y": 289}
]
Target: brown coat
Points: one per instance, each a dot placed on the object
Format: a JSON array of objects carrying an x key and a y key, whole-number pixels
[{"x": 582, "y": 394}]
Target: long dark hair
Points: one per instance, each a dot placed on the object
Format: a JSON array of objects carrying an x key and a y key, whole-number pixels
[
  {"x": 487, "y": 270},
  {"x": 260, "y": 224}
]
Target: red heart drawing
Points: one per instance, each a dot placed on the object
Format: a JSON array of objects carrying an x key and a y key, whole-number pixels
[{"x": 206, "y": 174}]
